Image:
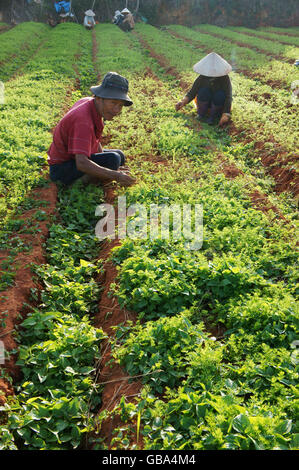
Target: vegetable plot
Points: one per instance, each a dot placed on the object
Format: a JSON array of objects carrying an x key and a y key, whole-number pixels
[
  {"x": 214, "y": 343},
  {"x": 218, "y": 371},
  {"x": 58, "y": 346}
]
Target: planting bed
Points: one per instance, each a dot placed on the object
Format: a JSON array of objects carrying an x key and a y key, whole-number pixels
[{"x": 144, "y": 343}]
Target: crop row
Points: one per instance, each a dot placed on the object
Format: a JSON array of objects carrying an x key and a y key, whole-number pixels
[
  {"x": 273, "y": 48},
  {"x": 284, "y": 39},
  {"x": 18, "y": 45},
  {"x": 229, "y": 391},
  {"x": 58, "y": 346},
  {"x": 33, "y": 102},
  {"x": 216, "y": 326},
  {"x": 251, "y": 112},
  {"x": 289, "y": 31},
  {"x": 243, "y": 58}
]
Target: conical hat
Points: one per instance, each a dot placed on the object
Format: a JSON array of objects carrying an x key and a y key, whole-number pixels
[
  {"x": 125, "y": 10},
  {"x": 89, "y": 13},
  {"x": 212, "y": 65}
]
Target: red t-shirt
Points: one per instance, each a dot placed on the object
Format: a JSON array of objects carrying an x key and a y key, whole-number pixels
[{"x": 78, "y": 132}]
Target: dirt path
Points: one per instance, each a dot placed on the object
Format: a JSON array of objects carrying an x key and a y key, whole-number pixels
[
  {"x": 116, "y": 383},
  {"x": 14, "y": 300},
  {"x": 3, "y": 29}
]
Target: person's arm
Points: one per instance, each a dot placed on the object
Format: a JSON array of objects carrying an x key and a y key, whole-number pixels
[
  {"x": 228, "y": 101},
  {"x": 104, "y": 175},
  {"x": 190, "y": 95},
  {"x": 182, "y": 103},
  {"x": 100, "y": 148}
]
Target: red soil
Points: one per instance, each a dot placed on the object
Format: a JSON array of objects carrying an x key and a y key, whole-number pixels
[
  {"x": 14, "y": 298},
  {"x": 116, "y": 383}
]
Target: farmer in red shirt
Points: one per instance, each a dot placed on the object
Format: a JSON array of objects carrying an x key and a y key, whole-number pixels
[{"x": 76, "y": 150}]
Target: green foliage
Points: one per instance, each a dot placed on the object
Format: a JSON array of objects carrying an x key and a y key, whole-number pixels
[
  {"x": 215, "y": 343},
  {"x": 235, "y": 390},
  {"x": 271, "y": 318},
  {"x": 25, "y": 37},
  {"x": 61, "y": 365},
  {"x": 32, "y": 105},
  {"x": 48, "y": 424},
  {"x": 159, "y": 350}
]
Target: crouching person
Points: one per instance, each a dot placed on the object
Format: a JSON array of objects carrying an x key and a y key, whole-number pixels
[
  {"x": 76, "y": 150},
  {"x": 212, "y": 90}
]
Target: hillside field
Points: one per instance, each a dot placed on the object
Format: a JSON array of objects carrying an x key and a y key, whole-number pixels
[{"x": 141, "y": 342}]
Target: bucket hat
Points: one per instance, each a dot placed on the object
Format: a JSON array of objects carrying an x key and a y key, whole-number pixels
[
  {"x": 212, "y": 65},
  {"x": 114, "y": 87}
]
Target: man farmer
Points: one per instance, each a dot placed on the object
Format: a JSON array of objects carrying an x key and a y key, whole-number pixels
[
  {"x": 76, "y": 150},
  {"x": 211, "y": 90}
]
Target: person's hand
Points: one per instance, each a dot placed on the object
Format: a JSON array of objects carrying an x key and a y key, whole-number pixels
[
  {"x": 179, "y": 105},
  {"x": 124, "y": 169},
  {"x": 224, "y": 119},
  {"x": 125, "y": 180}
]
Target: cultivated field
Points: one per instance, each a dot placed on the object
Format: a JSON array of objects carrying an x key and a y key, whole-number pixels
[{"x": 142, "y": 342}]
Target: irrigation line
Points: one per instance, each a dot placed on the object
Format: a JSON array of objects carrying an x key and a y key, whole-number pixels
[
  {"x": 7, "y": 332},
  {"x": 132, "y": 377}
]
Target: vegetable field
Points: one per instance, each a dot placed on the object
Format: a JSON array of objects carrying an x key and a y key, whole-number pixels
[{"x": 142, "y": 343}]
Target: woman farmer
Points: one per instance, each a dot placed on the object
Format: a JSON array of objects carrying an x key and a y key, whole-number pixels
[
  {"x": 128, "y": 22},
  {"x": 89, "y": 21},
  {"x": 211, "y": 90}
]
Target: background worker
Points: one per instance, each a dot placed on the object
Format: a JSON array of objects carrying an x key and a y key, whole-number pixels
[
  {"x": 212, "y": 89},
  {"x": 76, "y": 150},
  {"x": 128, "y": 21},
  {"x": 118, "y": 18},
  {"x": 89, "y": 21}
]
